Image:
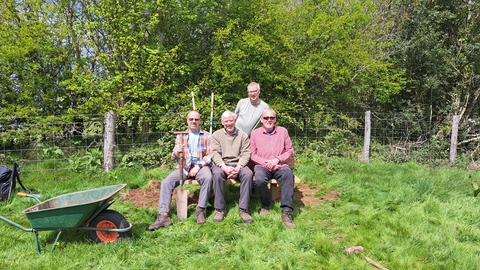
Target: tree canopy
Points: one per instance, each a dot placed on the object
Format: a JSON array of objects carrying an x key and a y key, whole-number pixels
[{"x": 75, "y": 57}]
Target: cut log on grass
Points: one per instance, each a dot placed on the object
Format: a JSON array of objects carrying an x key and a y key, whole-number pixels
[
  {"x": 353, "y": 250},
  {"x": 376, "y": 264},
  {"x": 358, "y": 249}
]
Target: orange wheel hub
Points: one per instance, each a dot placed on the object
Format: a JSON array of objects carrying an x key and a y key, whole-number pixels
[{"x": 107, "y": 236}]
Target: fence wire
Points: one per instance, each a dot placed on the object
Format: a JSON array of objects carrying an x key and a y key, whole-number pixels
[{"x": 77, "y": 142}]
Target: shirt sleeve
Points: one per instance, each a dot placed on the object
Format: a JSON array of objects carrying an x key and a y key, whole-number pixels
[
  {"x": 286, "y": 157},
  {"x": 216, "y": 150},
  {"x": 207, "y": 157},
  {"x": 177, "y": 142},
  {"x": 237, "y": 108}
]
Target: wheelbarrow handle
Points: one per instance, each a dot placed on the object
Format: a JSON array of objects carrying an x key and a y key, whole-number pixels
[
  {"x": 23, "y": 194},
  {"x": 16, "y": 224}
]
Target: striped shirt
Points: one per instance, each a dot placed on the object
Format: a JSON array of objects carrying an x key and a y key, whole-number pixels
[{"x": 203, "y": 149}]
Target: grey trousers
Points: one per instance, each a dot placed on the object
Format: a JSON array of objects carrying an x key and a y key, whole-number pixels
[
  {"x": 283, "y": 175},
  {"x": 204, "y": 177},
  {"x": 246, "y": 181}
]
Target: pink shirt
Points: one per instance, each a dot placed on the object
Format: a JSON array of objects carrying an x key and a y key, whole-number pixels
[{"x": 265, "y": 146}]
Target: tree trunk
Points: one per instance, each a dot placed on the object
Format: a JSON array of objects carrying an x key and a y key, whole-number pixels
[
  {"x": 453, "y": 141},
  {"x": 109, "y": 141},
  {"x": 366, "y": 141}
]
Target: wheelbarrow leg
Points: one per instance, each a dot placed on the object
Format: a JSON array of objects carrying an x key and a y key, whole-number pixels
[
  {"x": 37, "y": 245},
  {"x": 56, "y": 240}
]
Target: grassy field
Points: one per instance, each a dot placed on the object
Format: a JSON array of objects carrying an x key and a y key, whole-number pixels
[{"x": 405, "y": 216}]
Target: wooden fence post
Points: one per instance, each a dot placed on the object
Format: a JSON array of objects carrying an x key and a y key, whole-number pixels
[
  {"x": 454, "y": 138},
  {"x": 366, "y": 140},
  {"x": 109, "y": 141}
]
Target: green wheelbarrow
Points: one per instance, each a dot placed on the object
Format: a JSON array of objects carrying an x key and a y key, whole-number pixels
[{"x": 76, "y": 210}]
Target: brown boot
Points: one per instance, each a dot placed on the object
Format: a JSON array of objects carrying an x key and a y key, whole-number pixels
[
  {"x": 245, "y": 216},
  {"x": 200, "y": 213},
  {"x": 264, "y": 211},
  {"x": 162, "y": 221},
  {"x": 219, "y": 216},
  {"x": 287, "y": 219}
]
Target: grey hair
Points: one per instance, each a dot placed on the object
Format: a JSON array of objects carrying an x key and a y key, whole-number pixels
[
  {"x": 254, "y": 84},
  {"x": 227, "y": 114},
  {"x": 270, "y": 110}
]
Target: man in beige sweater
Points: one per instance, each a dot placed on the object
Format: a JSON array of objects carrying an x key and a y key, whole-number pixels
[{"x": 230, "y": 150}]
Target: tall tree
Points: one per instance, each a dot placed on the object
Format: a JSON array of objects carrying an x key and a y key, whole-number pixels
[
  {"x": 440, "y": 47},
  {"x": 307, "y": 54},
  {"x": 124, "y": 65},
  {"x": 33, "y": 59}
]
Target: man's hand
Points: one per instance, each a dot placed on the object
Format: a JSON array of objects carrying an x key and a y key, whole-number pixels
[
  {"x": 271, "y": 164},
  {"x": 180, "y": 148},
  {"x": 193, "y": 171},
  {"x": 230, "y": 171}
]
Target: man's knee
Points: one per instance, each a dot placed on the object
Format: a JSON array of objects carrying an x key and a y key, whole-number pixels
[
  {"x": 259, "y": 182},
  {"x": 246, "y": 172},
  {"x": 204, "y": 177}
]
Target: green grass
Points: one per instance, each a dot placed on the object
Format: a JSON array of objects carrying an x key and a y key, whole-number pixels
[{"x": 405, "y": 216}]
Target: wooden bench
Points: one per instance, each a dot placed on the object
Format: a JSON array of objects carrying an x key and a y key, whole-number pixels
[{"x": 274, "y": 185}]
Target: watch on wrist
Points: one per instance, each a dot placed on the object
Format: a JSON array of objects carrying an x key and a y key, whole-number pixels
[{"x": 200, "y": 165}]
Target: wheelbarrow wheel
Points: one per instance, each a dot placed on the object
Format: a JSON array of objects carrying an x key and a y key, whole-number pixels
[{"x": 112, "y": 220}]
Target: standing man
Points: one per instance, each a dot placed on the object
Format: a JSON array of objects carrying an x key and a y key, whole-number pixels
[
  {"x": 272, "y": 154},
  {"x": 196, "y": 147},
  {"x": 230, "y": 154},
  {"x": 250, "y": 109}
]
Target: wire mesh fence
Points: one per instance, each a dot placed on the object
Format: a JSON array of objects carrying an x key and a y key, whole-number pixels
[{"x": 76, "y": 142}]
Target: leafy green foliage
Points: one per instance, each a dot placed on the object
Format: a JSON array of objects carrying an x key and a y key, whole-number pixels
[
  {"x": 439, "y": 49},
  {"x": 89, "y": 161},
  {"x": 142, "y": 57},
  {"x": 51, "y": 152},
  {"x": 148, "y": 156}
]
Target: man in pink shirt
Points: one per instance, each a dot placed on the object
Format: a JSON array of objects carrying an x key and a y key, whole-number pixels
[{"x": 272, "y": 153}]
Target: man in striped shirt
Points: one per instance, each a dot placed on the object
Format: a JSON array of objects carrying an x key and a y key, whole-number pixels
[{"x": 197, "y": 159}]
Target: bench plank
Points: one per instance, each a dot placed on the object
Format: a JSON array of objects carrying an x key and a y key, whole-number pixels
[{"x": 274, "y": 185}]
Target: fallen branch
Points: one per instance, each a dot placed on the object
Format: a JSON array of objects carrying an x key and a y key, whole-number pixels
[
  {"x": 358, "y": 249},
  {"x": 468, "y": 140},
  {"x": 376, "y": 264}
]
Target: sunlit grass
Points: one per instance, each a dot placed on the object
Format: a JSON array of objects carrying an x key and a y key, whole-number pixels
[{"x": 405, "y": 216}]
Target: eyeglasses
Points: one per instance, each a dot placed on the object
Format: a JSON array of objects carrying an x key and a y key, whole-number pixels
[
  {"x": 269, "y": 117},
  {"x": 193, "y": 119}
]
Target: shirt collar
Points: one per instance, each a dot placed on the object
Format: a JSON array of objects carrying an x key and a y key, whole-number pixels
[
  {"x": 199, "y": 132},
  {"x": 233, "y": 134},
  {"x": 273, "y": 131}
]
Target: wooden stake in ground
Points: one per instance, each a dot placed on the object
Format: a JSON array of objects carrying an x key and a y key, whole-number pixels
[
  {"x": 193, "y": 100},
  {"x": 211, "y": 114}
]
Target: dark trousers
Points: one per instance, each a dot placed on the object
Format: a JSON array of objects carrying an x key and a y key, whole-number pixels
[
  {"x": 246, "y": 181},
  {"x": 285, "y": 176}
]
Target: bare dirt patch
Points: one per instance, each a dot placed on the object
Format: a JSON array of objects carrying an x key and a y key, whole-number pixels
[{"x": 148, "y": 197}]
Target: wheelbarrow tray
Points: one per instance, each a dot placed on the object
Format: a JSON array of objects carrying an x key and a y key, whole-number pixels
[{"x": 71, "y": 210}]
